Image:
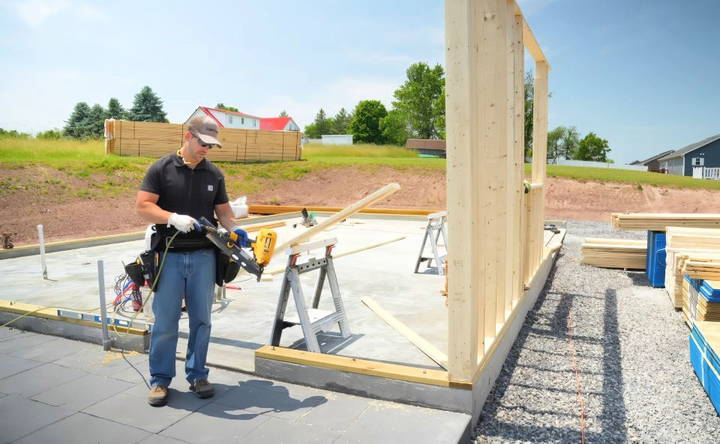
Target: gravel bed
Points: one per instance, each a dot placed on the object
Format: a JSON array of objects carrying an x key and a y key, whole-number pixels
[{"x": 631, "y": 353}]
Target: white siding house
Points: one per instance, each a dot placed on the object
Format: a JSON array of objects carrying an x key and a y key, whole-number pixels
[{"x": 227, "y": 119}]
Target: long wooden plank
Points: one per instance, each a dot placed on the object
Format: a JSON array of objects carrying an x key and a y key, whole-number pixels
[
  {"x": 362, "y": 366},
  {"x": 343, "y": 253},
  {"x": 377, "y": 196},
  {"x": 462, "y": 19},
  {"x": 421, "y": 343}
]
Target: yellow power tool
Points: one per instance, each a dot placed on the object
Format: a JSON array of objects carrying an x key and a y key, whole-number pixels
[{"x": 262, "y": 247}]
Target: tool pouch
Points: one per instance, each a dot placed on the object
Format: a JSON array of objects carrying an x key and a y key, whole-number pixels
[
  {"x": 150, "y": 261},
  {"x": 226, "y": 269},
  {"x": 135, "y": 272}
]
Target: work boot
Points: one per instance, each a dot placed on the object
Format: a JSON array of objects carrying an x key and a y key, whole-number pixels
[
  {"x": 158, "y": 396},
  {"x": 202, "y": 388}
]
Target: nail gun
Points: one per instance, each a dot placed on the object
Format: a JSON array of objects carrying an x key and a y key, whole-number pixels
[{"x": 262, "y": 247}]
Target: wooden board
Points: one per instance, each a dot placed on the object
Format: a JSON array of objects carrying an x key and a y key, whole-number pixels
[{"x": 421, "y": 343}]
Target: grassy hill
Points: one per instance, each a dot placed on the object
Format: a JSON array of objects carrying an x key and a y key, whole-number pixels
[{"x": 111, "y": 174}]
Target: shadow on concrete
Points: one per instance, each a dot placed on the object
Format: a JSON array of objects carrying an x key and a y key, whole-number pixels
[
  {"x": 255, "y": 398},
  {"x": 330, "y": 342}
]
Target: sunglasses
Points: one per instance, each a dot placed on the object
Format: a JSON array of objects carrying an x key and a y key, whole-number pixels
[{"x": 205, "y": 145}]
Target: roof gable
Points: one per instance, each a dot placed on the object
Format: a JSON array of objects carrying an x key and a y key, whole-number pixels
[
  {"x": 274, "y": 123},
  {"x": 691, "y": 147}
]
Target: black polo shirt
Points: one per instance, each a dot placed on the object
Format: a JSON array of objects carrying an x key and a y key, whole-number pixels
[{"x": 185, "y": 190}]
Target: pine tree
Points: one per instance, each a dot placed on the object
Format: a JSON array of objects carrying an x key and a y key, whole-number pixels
[
  {"x": 341, "y": 121},
  {"x": 147, "y": 107},
  {"x": 79, "y": 125},
  {"x": 96, "y": 121},
  {"x": 115, "y": 110}
]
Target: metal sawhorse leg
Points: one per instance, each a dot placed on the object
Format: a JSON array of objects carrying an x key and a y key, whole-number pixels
[
  {"x": 435, "y": 228},
  {"x": 311, "y": 320}
]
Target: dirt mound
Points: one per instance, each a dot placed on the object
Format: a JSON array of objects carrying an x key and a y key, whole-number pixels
[{"x": 37, "y": 196}]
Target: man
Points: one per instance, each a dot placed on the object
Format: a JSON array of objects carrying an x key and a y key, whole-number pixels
[{"x": 177, "y": 190}]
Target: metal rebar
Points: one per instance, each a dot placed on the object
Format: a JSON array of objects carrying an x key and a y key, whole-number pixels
[
  {"x": 41, "y": 236},
  {"x": 103, "y": 312}
]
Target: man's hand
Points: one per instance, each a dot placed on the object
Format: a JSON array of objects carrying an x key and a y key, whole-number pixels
[
  {"x": 242, "y": 237},
  {"x": 182, "y": 222}
]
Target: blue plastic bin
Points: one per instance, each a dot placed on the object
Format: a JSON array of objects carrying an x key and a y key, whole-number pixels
[{"x": 656, "y": 256}]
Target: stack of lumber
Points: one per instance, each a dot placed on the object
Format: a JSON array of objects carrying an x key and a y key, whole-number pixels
[
  {"x": 688, "y": 245},
  {"x": 614, "y": 253},
  {"x": 660, "y": 221},
  {"x": 152, "y": 139},
  {"x": 701, "y": 299}
]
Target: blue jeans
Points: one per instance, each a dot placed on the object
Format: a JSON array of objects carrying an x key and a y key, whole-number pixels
[{"x": 189, "y": 274}]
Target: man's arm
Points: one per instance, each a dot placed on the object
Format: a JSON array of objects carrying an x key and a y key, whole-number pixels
[
  {"x": 225, "y": 216},
  {"x": 147, "y": 208}
]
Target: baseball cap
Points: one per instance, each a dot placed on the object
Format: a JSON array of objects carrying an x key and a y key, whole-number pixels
[{"x": 204, "y": 129}]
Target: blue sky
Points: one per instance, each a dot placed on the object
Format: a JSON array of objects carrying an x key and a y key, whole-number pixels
[{"x": 641, "y": 73}]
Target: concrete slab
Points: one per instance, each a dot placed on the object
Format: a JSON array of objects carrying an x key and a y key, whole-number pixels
[
  {"x": 405, "y": 425},
  {"x": 246, "y": 408},
  {"x": 39, "y": 379},
  {"x": 215, "y": 423},
  {"x": 278, "y": 430},
  {"x": 12, "y": 365},
  {"x": 243, "y": 323},
  {"x": 141, "y": 415},
  {"x": 81, "y": 428},
  {"x": 20, "y": 417},
  {"x": 82, "y": 392}
]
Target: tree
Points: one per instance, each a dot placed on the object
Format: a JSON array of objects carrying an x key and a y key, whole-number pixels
[
  {"x": 51, "y": 134},
  {"x": 341, "y": 121},
  {"x": 227, "y": 108},
  {"x": 97, "y": 121},
  {"x": 79, "y": 125},
  {"x": 417, "y": 99},
  {"x": 365, "y": 125},
  {"x": 147, "y": 107},
  {"x": 311, "y": 131},
  {"x": 562, "y": 142},
  {"x": 115, "y": 110},
  {"x": 529, "y": 102},
  {"x": 323, "y": 125},
  {"x": 593, "y": 148},
  {"x": 13, "y": 134},
  {"x": 394, "y": 128},
  {"x": 439, "y": 111},
  {"x": 283, "y": 114}
]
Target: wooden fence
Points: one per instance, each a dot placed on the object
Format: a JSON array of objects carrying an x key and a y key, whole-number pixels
[{"x": 150, "y": 139}]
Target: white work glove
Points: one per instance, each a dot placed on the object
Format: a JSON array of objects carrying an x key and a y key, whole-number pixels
[{"x": 182, "y": 222}]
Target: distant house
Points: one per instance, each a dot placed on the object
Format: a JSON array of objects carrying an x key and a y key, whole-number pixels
[
  {"x": 235, "y": 119},
  {"x": 429, "y": 147},
  {"x": 278, "y": 124},
  {"x": 653, "y": 163},
  {"x": 700, "y": 160},
  {"x": 227, "y": 119}
]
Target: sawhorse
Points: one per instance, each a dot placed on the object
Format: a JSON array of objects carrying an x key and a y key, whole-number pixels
[
  {"x": 435, "y": 228},
  {"x": 311, "y": 320}
]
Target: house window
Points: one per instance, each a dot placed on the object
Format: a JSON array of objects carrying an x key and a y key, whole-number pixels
[
  {"x": 230, "y": 119},
  {"x": 698, "y": 161},
  {"x": 242, "y": 120}
]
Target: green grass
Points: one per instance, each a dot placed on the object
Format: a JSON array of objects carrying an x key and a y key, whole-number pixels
[
  {"x": 389, "y": 155},
  {"x": 77, "y": 155},
  {"x": 629, "y": 176},
  {"x": 111, "y": 174}
]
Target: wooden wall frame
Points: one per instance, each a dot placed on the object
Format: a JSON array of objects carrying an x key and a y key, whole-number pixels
[{"x": 496, "y": 242}]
